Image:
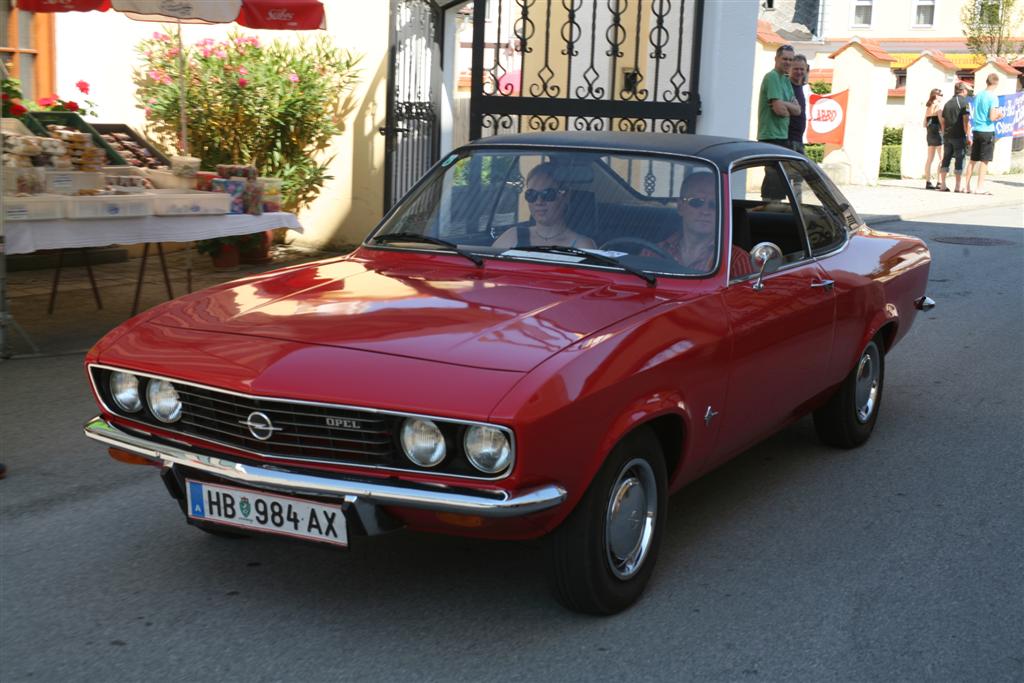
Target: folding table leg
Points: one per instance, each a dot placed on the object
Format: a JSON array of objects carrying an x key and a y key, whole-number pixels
[
  {"x": 138, "y": 284},
  {"x": 56, "y": 279},
  {"x": 92, "y": 280},
  {"x": 163, "y": 266}
]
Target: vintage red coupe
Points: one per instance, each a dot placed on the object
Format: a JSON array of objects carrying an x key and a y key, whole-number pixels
[{"x": 547, "y": 336}]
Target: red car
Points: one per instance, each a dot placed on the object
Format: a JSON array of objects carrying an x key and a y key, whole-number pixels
[{"x": 547, "y": 336}]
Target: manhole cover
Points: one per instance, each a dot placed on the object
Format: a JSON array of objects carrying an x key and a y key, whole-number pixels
[{"x": 975, "y": 241}]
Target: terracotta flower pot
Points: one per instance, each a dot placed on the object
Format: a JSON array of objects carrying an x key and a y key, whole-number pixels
[
  {"x": 258, "y": 253},
  {"x": 226, "y": 257}
]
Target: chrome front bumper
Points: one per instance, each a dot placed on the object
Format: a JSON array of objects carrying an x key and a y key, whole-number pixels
[{"x": 441, "y": 498}]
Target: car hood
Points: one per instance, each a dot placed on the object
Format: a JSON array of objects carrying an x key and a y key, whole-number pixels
[{"x": 485, "y": 318}]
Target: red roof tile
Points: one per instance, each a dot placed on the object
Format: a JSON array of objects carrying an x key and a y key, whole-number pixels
[
  {"x": 938, "y": 57},
  {"x": 869, "y": 46},
  {"x": 1002, "y": 65},
  {"x": 815, "y": 75},
  {"x": 767, "y": 35},
  {"x": 897, "y": 92}
]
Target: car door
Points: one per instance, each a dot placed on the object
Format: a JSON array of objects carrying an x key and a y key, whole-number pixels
[{"x": 782, "y": 331}]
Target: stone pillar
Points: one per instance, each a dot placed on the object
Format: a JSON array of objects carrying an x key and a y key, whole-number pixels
[
  {"x": 726, "y": 60},
  {"x": 862, "y": 67},
  {"x": 1007, "y": 85},
  {"x": 930, "y": 70}
]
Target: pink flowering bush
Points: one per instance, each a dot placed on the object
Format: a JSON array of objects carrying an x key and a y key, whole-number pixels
[{"x": 274, "y": 106}]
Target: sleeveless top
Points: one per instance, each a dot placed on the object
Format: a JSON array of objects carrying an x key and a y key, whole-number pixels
[
  {"x": 933, "y": 121},
  {"x": 522, "y": 235}
]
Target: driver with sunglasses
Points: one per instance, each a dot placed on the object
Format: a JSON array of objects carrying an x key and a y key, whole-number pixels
[
  {"x": 548, "y": 202},
  {"x": 693, "y": 244}
]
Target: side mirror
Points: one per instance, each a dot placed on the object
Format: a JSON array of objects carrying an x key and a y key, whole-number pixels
[{"x": 761, "y": 255}]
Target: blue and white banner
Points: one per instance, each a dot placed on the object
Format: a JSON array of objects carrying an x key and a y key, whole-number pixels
[{"x": 1012, "y": 123}]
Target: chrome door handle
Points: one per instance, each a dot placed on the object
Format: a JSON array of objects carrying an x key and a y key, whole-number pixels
[{"x": 823, "y": 284}]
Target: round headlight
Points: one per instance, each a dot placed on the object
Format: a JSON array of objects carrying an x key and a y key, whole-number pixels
[
  {"x": 487, "y": 449},
  {"x": 124, "y": 388},
  {"x": 163, "y": 399},
  {"x": 422, "y": 442}
]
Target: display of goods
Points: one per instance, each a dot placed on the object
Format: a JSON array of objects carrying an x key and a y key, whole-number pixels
[
  {"x": 74, "y": 182},
  {"x": 108, "y": 206},
  {"x": 234, "y": 188},
  {"x": 271, "y": 194},
  {"x": 188, "y": 202},
  {"x": 185, "y": 166},
  {"x": 38, "y": 207},
  {"x": 204, "y": 181},
  {"x": 23, "y": 181},
  {"x": 135, "y": 149},
  {"x": 24, "y": 151},
  {"x": 236, "y": 171},
  {"x": 74, "y": 122}
]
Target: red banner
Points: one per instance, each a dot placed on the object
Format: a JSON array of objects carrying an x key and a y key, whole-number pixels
[
  {"x": 827, "y": 119},
  {"x": 63, "y": 5}
]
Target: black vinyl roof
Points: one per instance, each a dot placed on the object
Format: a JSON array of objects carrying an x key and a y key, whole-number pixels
[{"x": 719, "y": 150}]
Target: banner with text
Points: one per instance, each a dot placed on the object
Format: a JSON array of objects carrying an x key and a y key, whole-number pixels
[
  {"x": 827, "y": 120},
  {"x": 1012, "y": 122}
]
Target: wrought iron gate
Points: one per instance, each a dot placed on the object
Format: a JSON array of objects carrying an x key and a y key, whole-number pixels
[
  {"x": 630, "y": 65},
  {"x": 412, "y": 129}
]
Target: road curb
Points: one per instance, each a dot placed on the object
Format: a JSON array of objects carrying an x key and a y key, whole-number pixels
[{"x": 878, "y": 219}]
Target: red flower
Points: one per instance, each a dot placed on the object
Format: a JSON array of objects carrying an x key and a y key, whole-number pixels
[
  {"x": 6, "y": 97},
  {"x": 17, "y": 109},
  {"x": 242, "y": 82},
  {"x": 47, "y": 101},
  {"x": 71, "y": 106},
  {"x": 83, "y": 87}
]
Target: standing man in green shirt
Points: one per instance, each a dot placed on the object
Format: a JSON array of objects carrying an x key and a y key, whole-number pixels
[
  {"x": 776, "y": 101},
  {"x": 775, "y": 104}
]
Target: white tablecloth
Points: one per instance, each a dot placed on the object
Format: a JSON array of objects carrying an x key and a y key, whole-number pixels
[{"x": 24, "y": 237}]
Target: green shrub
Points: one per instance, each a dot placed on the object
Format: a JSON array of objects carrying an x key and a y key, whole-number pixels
[
  {"x": 892, "y": 136},
  {"x": 821, "y": 87},
  {"x": 889, "y": 164},
  {"x": 815, "y": 152},
  {"x": 275, "y": 107}
]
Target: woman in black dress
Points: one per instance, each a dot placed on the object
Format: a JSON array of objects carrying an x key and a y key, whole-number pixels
[{"x": 932, "y": 109}]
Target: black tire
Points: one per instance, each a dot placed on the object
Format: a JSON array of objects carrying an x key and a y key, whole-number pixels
[
  {"x": 848, "y": 418},
  {"x": 590, "y": 569}
]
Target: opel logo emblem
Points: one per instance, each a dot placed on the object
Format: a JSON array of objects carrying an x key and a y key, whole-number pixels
[{"x": 260, "y": 425}]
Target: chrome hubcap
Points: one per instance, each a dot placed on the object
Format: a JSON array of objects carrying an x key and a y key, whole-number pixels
[
  {"x": 629, "y": 523},
  {"x": 867, "y": 385}
]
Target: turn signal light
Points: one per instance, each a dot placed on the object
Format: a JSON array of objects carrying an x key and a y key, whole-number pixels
[
  {"x": 471, "y": 521},
  {"x": 130, "y": 458}
]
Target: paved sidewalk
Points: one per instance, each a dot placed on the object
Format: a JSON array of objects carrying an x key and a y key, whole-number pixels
[{"x": 894, "y": 200}]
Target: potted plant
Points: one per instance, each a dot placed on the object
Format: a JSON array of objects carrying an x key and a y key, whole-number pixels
[
  {"x": 255, "y": 248},
  {"x": 223, "y": 251},
  {"x": 277, "y": 107}
]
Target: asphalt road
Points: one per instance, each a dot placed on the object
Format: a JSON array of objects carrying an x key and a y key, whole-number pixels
[{"x": 901, "y": 560}]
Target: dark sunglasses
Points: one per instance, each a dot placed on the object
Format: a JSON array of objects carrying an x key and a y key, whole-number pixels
[
  {"x": 697, "y": 202},
  {"x": 548, "y": 195}
]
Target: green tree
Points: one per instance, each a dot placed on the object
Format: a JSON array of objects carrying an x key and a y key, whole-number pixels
[
  {"x": 990, "y": 27},
  {"x": 277, "y": 107}
]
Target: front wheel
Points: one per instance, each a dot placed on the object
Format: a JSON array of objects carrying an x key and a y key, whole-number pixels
[
  {"x": 602, "y": 556},
  {"x": 848, "y": 418}
]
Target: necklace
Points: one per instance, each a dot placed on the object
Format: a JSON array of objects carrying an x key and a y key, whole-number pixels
[{"x": 553, "y": 235}]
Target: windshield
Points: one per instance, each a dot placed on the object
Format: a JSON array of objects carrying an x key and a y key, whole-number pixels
[{"x": 631, "y": 211}]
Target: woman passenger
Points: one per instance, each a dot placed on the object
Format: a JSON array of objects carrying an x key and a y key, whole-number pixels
[{"x": 548, "y": 201}]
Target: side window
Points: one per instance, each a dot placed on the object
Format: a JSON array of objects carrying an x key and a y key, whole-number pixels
[
  {"x": 822, "y": 214},
  {"x": 763, "y": 212}
]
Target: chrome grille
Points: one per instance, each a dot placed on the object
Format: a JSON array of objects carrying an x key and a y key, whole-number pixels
[{"x": 301, "y": 431}]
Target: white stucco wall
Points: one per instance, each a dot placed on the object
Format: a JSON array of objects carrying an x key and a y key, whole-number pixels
[
  {"x": 922, "y": 76},
  {"x": 99, "y": 48},
  {"x": 891, "y": 18},
  {"x": 726, "y": 62},
  {"x": 867, "y": 79}
]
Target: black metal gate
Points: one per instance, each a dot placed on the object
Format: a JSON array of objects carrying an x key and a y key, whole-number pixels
[
  {"x": 412, "y": 129},
  {"x": 630, "y": 65}
]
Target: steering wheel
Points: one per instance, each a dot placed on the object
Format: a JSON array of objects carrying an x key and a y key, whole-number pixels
[{"x": 637, "y": 241}]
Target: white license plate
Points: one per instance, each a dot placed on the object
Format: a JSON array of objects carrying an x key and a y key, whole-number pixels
[{"x": 266, "y": 512}]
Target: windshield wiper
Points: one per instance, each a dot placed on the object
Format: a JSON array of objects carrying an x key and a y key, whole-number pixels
[
  {"x": 592, "y": 256},
  {"x": 425, "y": 239}
]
